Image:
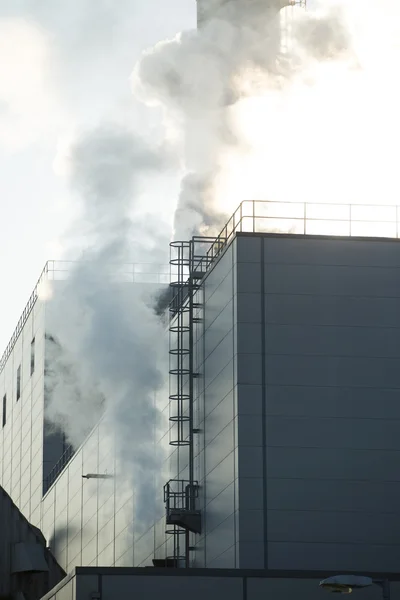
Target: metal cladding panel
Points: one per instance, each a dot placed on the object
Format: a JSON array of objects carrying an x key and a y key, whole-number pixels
[
  {"x": 301, "y": 589},
  {"x": 22, "y": 400},
  {"x": 215, "y": 419},
  {"x": 316, "y": 364},
  {"x": 330, "y": 398},
  {"x": 239, "y": 585},
  {"x": 330, "y": 557},
  {"x": 171, "y": 588}
]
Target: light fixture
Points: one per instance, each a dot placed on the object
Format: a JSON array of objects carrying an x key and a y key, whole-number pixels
[{"x": 345, "y": 584}]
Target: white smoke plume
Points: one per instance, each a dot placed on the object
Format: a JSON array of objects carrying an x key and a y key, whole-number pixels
[
  {"x": 315, "y": 123},
  {"x": 200, "y": 77},
  {"x": 109, "y": 348},
  {"x": 318, "y": 122}
]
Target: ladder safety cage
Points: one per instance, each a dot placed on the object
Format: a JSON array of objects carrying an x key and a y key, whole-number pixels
[
  {"x": 189, "y": 262},
  {"x": 179, "y": 345}
]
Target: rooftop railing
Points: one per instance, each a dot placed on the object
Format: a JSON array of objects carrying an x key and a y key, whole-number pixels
[
  {"x": 23, "y": 319},
  {"x": 56, "y": 270},
  {"x": 252, "y": 216},
  {"x": 307, "y": 218},
  {"x": 59, "y": 270}
]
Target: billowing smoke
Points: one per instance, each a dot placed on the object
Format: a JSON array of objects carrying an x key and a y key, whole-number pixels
[
  {"x": 202, "y": 77},
  {"x": 316, "y": 122},
  {"x": 107, "y": 350},
  {"x": 309, "y": 115}
]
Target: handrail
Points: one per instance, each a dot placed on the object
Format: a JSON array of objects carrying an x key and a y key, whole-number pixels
[
  {"x": 22, "y": 320},
  {"x": 247, "y": 218},
  {"x": 306, "y": 218},
  {"x": 52, "y": 271}
]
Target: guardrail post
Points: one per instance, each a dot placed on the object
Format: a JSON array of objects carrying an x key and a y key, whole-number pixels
[{"x": 350, "y": 219}]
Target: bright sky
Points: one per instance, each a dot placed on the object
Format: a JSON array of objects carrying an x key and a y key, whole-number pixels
[{"x": 64, "y": 67}]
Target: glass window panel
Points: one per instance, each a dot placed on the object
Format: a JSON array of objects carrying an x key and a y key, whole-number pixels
[
  {"x": 19, "y": 383},
  {"x": 32, "y": 356}
]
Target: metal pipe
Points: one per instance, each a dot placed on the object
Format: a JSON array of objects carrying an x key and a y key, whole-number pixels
[
  {"x": 384, "y": 584},
  {"x": 191, "y": 394},
  {"x": 191, "y": 377}
]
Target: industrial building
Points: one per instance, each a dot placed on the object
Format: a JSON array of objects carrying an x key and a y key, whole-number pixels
[
  {"x": 283, "y": 412},
  {"x": 295, "y": 378},
  {"x": 281, "y": 424}
]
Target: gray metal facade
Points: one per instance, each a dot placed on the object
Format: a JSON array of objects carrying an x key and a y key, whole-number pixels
[
  {"x": 299, "y": 456},
  {"x": 297, "y": 413},
  {"x": 21, "y": 434},
  {"x": 197, "y": 584}
]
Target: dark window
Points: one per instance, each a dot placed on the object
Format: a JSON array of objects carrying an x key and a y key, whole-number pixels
[
  {"x": 4, "y": 409},
  {"x": 19, "y": 383},
  {"x": 32, "y": 356}
]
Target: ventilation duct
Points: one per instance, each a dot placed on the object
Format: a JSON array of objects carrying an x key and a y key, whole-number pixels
[{"x": 28, "y": 557}]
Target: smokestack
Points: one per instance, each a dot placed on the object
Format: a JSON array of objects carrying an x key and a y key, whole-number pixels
[
  {"x": 260, "y": 17},
  {"x": 239, "y": 12},
  {"x": 237, "y": 9}
]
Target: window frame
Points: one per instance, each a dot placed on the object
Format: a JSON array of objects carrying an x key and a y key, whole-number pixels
[
  {"x": 32, "y": 356},
  {"x": 4, "y": 417},
  {"x": 19, "y": 380}
]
